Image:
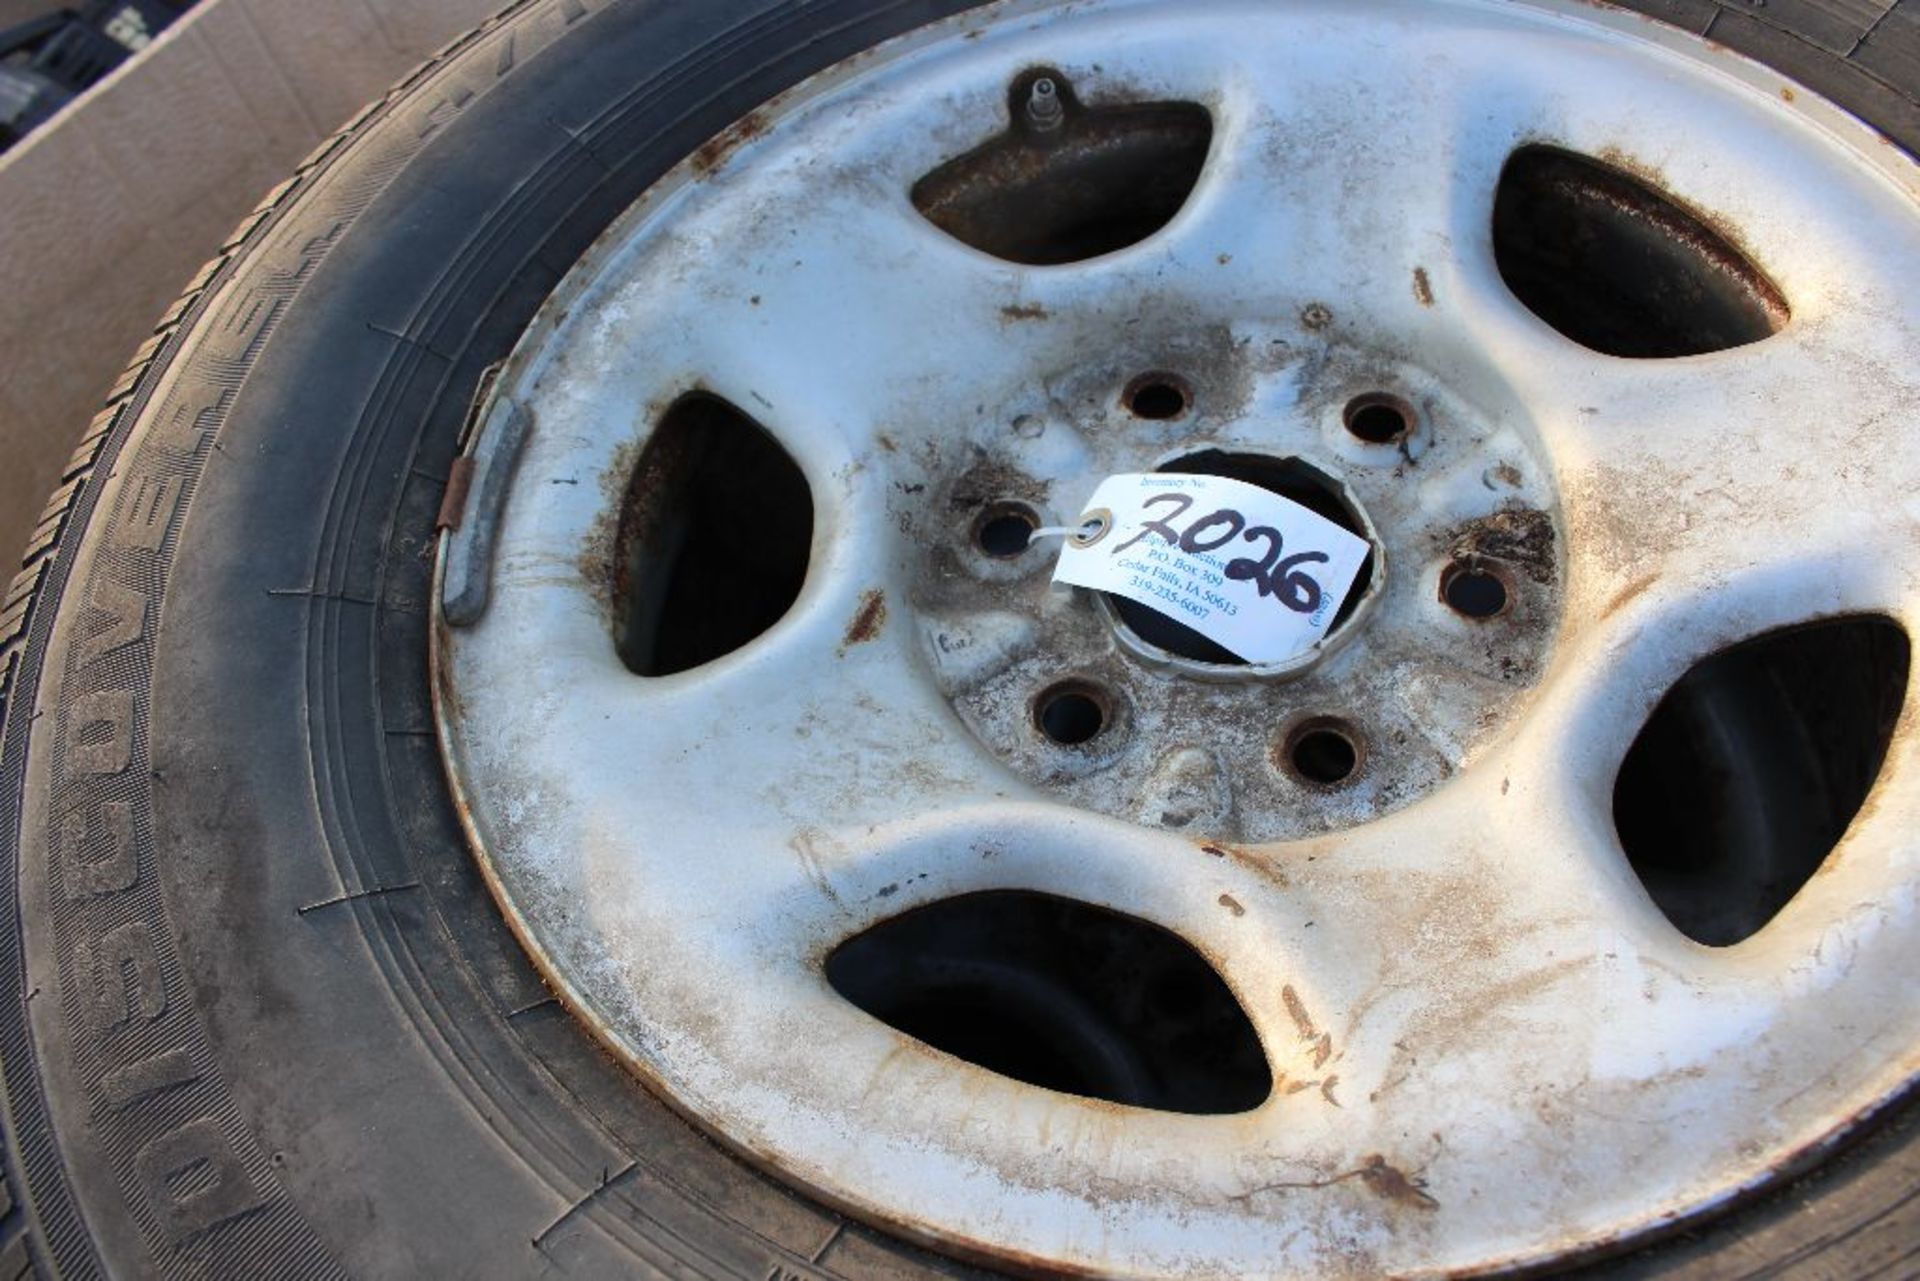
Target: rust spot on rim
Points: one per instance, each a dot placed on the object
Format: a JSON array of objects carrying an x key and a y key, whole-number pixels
[
  {"x": 1521, "y": 537},
  {"x": 1422, "y": 287},
  {"x": 1024, "y": 311},
  {"x": 1390, "y": 1183},
  {"x": 453, "y": 504},
  {"x": 714, "y": 151},
  {"x": 1663, "y": 207},
  {"x": 1627, "y": 593},
  {"x": 867, "y": 620},
  {"x": 606, "y": 553},
  {"x": 1250, "y": 855},
  {"x": 1297, "y": 1011},
  {"x": 1374, "y": 1173}
]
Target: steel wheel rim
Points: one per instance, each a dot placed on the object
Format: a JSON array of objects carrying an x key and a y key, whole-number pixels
[{"x": 1642, "y": 1077}]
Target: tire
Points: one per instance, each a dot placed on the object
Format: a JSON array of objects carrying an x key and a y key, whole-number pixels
[{"x": 259, "y": 1016}]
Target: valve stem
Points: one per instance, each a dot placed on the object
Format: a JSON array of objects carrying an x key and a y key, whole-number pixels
[{"x": 1044, "y": 110}]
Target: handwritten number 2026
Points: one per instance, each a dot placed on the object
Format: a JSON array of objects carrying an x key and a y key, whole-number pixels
[{"x": 1271, "y": 574}]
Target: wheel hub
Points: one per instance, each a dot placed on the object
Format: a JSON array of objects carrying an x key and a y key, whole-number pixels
[{"x": 1185, "y": 736}]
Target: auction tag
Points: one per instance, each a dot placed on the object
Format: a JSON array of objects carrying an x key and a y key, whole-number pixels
[{"x": 1251, "y": 571}]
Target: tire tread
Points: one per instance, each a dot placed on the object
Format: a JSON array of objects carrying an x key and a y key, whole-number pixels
[{"x": 36, "y": 584}]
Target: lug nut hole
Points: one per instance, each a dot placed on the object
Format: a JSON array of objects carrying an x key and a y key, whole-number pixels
[
  {"x": 1004, "y": 530},
  {"x": 1473, "y": 591},
  {"x": 1325, "y": 752},
  {"x": 1379, "y": 419},
  {"x": 1157, "y": 396},
  {"x": 1071, "y": 712}
]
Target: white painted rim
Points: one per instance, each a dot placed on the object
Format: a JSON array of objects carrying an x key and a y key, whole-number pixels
[{"x": 1473, "y": 989}]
